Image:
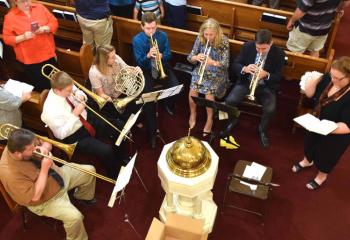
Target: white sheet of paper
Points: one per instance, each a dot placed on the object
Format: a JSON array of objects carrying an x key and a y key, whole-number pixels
[
  {"x": 252, "y": 187},
  {"x": 128, "y": 125},
  {"x": 122, "y": 180},
  {"x": 258, "y": 170},
  {"x": 313, "y": 124},
  {"x": 17, "y": 88},
  {"x": 170, "y": 91}
]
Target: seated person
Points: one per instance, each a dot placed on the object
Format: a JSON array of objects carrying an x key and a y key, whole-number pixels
[
  {"x": 214, "y": 75},
  {"x": 103, "y": 74},
  {"x": 42, "y": 186},
  {"x": 9, "y": 107},
  {"x": 69, "y": 121},
  {"x": 270, "y": 59},
  {"x": 145, "y": 55}
]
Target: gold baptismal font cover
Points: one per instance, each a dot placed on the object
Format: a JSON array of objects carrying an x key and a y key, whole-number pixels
[{"x": 188, "y": 157}]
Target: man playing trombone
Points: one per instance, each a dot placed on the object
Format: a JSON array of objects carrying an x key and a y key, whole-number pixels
[
  {"x": 259, "y": 63},
  {"x": 65, "y": 114},
  {"x": 41, "y": 186},
  {"x": 152, "y": 54}
]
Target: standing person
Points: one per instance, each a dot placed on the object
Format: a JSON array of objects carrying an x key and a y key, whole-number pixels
[
  {"x": 9, "y": 107},
  {"x": 332, "y": 97},
  {"x": 176, "y": 13},
  {"x": 29, "y": 28},
  {"x": 310, "y": 24},
  {"x": 215, "y": 75},
  {"x": 42, "y": 186},
  {"x": 103, "y": 72},
  {"x": 154, "y": 6},
  {"x": 145, "y": 55},
  {"x": 245, "y": 68},
  {"x": 122, "y": 8},
  {"x": 69, "y": 121},
  {"x": 95, "y": 21}
]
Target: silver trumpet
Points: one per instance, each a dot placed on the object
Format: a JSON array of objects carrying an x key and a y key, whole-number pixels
[{"x": 203, "y": 65}]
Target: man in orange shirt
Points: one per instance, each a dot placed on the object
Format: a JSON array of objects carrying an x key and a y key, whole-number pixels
[{"x": 29, "y": 29}]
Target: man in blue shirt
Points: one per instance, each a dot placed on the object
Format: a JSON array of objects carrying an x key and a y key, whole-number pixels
[
  {"x": 122, "y": 8},
  {"x": 145, "y": 56},
  {"x": 95, "y": 21}
]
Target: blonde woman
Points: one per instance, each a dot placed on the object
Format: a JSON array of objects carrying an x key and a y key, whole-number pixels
[{"x": 215, "y": 74}]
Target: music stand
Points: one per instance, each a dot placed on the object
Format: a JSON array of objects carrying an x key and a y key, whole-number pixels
[
  {"x": 159, "y": 95},
  {"x": 234, "y": 185},
  {"x": 233, "y": 112}
]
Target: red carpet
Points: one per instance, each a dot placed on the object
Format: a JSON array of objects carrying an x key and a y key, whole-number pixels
[{"x": 292, "y": 211}]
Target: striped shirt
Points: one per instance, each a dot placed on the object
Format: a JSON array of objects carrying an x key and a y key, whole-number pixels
[
  {"x": 149, "y": 6},
  {"x": 318, "y": 17}
]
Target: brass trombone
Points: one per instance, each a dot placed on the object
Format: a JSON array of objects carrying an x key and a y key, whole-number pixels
[
  {"x": 99, "y": 100},
  {"x": 203, "y": 65},
  {"x": 6, "y": 129},
  {"x": 159, "y": 64}
]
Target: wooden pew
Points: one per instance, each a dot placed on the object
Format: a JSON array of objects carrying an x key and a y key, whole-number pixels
[{"x": 246, "y": 20}]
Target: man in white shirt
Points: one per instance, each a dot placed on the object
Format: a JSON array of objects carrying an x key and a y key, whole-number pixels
[{"x": 67, "y": 118}]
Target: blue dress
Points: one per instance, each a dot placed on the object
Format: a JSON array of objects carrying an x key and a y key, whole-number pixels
[{"x": 215, "y": 79}]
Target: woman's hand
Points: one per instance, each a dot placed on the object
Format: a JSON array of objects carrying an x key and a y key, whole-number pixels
[
  {"x": 28, "y": 35},
  {"x": 43, "y": 29},
  {"x": 26, "y": 96}
]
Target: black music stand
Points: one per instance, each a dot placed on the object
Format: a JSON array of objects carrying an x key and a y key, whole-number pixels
[
  {"x": 155, "y": 97},
  {"x": 232, "y": 112}
]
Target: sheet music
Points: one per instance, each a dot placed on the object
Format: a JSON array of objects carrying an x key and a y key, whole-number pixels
[
  {"x": 122, "y": 180},
  {"x": 254, "y": 171},
  {"x": 17, "y": 88},
  {"x": 313, "y": 124},
  {"x": 128, "y": 125},
  {"x": 170, "y": 91}
]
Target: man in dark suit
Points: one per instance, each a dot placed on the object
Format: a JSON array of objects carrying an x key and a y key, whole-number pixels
[{"x": 245, "y": 68}]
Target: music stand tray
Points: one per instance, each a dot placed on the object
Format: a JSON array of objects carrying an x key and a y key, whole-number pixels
[{"x": 234, "y": 185}]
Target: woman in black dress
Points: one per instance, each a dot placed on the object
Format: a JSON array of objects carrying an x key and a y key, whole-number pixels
[{"x": 332, "y": 98}]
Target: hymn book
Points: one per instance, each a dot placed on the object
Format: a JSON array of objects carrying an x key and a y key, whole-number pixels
[
  {"x": 17, "y": 88},
  {"x": 313, "y": 124}
]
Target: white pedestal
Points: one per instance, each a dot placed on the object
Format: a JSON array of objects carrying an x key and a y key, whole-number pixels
[{"x": 189, "y": 196}]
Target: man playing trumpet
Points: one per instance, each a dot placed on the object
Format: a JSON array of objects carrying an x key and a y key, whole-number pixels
[
  {"x": 259, "y": 61},
  {"x": 41, "y": 186},
  {"x": 152, "y": 54},
  {"x": 65, "y": 114}
]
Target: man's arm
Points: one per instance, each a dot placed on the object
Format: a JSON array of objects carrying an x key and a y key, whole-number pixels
[
  {"x": 40, "y": 183},
  {"x": 298, "y": 13}
]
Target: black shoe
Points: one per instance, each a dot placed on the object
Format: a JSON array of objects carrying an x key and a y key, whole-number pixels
[
  {"x": 264, "y": 140},
  {"x": 87, "y": 202},
  {"x": 226, "y": 132},
  {"x": 169, "y": 111},
  {"x": 153, "y": 142}
]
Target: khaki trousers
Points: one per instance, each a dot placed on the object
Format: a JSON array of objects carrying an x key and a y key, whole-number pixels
[
  {"x": 60, "y": 207},
  {"x": 96, "y": 32}
]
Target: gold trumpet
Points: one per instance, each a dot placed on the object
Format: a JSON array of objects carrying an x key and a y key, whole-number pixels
[
  {"x": 203, "y": 65},
  {"x": 255, "y": 78},
  {"x": 159, "y": 64},
  {"x": 6, "y": 129},
  {"x": 99, "y": 100}
]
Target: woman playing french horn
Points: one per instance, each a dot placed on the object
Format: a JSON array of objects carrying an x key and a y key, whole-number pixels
[
  {"x": 211, "y": 54},
  {"x": 104, "y": 72}
]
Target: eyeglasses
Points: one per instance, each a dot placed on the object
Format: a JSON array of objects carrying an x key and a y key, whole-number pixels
[{"x": 338, "y": 79}]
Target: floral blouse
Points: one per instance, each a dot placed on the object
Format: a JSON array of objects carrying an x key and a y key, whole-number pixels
[
  {"x": 215, "y": 79},
  {"x": 107, "y": 81}
]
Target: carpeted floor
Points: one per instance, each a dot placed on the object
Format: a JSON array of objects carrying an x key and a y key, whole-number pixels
[{"x": 292, "y": 211}]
